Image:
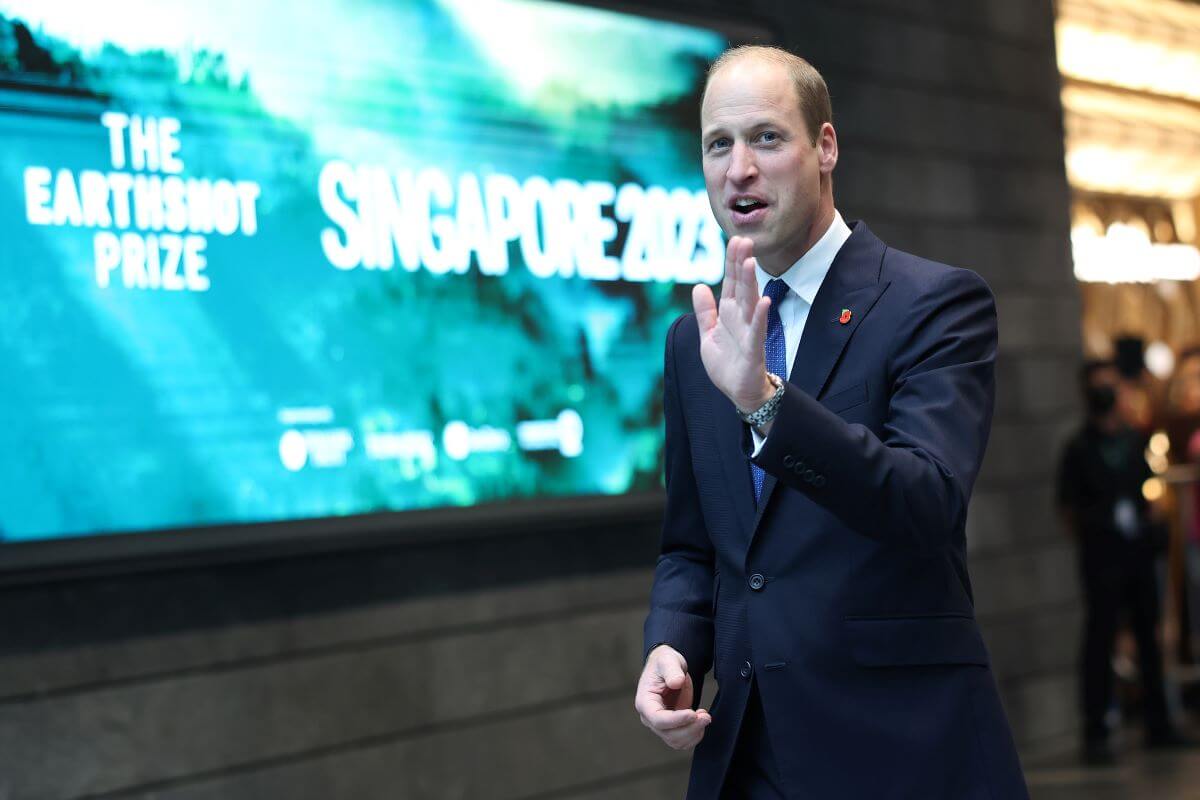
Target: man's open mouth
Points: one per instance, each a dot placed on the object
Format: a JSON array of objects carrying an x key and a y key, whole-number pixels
[
  {"x": 748, "y": 211},
  {"x": 747, "y": 204}
]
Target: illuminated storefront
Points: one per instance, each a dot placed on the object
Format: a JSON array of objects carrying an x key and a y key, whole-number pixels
[{"x": 1131, "y": 109}]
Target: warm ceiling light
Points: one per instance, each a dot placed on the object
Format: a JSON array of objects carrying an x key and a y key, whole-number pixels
[
  {"x": 1121, "y": 143},
  {"x": 1139, "y": 114},
  {"x": 1123, "y": 59},
  {"x": 1127, "y": 169},
  {"x": 1131, "y": 72},
  {"x": 1126, "y": 255}
]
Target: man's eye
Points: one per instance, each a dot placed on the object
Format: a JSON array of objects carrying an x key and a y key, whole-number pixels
[
  {"x": 718, "y": 144},
  {"x": 768, "y": 136}
]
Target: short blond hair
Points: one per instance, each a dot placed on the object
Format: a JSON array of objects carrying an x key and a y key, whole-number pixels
[{"x": 811, "y": 90}]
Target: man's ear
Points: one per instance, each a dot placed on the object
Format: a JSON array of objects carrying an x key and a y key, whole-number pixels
[{"x": 827, "y": 148}]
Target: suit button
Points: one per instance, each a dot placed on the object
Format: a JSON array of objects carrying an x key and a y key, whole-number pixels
[
  {"x": 788, "y": 461},
  {"x": 746, "y": 670},
  {"x": 809, "y": 475},
  {"x": 819, "y": 481},
  {"x": 757, "y": 581},
  {"x": 798, "y": 468}
]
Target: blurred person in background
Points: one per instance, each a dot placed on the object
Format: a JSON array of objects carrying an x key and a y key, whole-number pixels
[
  {"x": 1138, "y": 398},
  {"x": 1100, "y": 495}
]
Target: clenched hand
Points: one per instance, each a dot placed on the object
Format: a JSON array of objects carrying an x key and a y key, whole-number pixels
[{"x": 664, "y": 700}]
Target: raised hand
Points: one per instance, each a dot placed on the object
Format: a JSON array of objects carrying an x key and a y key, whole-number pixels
[
  {"x": 664, "y": 700},
  {"x": 732, "y": 332}
]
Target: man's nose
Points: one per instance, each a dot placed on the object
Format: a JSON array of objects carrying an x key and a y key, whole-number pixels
[{"x": 741, "y": 164}]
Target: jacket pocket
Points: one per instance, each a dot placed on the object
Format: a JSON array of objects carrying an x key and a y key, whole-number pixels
[
  {"x": 915, "y": 641},
  {"x": 846, "y": 398}
]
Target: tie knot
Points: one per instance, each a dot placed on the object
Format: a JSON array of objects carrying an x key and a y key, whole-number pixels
[{"x": 776, "y": 289}]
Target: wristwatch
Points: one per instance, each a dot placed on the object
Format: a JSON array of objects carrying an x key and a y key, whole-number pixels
[{"x": 767, "y": 411}]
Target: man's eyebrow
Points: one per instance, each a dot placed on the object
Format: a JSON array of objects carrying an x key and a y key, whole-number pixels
[{"x": 758, "y": 124}]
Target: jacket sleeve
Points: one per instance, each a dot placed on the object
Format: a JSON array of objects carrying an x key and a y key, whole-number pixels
[
  {"x": 912, "y": 485},
  {"x": 681, "y": 599}
]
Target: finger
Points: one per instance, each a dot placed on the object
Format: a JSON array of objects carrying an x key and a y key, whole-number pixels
[
  {"x": 687, "y": 737},
  {"x": 705, "y": 306},
  {"x": 647, "y": 702},
  {"x": 748, "y": 254},
  {"x": 758, "y": 324},
  {"x": 740, "y": 248},
  {"x": 658, "y": 709},
  {"x": 748, "y": 293},
  {"x": 729, "y": 284},
  {"x": 668, "y": 720},
  {"x": 746, "y": 251}
]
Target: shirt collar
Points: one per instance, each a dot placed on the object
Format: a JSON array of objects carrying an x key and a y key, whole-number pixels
[{"x": 805, "y": 276}]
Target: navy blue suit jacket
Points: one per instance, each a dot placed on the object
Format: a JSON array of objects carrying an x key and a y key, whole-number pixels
[{"x": 844, "y": 593}]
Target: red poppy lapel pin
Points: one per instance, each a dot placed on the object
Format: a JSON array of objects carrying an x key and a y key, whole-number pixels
[{"x": 845, "y": 317}]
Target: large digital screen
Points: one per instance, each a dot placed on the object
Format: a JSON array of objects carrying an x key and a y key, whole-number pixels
[{"x": 269, "y": 261}]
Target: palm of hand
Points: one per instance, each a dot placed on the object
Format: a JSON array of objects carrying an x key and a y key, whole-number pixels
[
  {"x": 727, "y": 344},
  {"x": 732, "y": 332}
]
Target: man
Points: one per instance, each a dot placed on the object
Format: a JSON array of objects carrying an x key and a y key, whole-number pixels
[
  {"x": 814, "y": 555},
  {"x": 1100, "y": 480}
]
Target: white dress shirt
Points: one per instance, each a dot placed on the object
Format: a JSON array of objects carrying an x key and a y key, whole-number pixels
[{"x": 803, "y": 278}]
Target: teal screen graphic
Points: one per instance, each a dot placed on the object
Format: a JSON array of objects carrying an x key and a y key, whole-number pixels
[{"x": 276, "y": 261}]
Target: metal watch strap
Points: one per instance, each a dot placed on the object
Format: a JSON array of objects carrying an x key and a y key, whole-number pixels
[{"x": 767, "y": 411}]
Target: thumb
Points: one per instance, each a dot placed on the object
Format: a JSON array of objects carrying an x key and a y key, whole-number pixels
[
  {"x": 705, "y": 306},
  {"x": 673, "y": 673}
]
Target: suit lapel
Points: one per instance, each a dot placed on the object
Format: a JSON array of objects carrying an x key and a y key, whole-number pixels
[{"x": 851, "y": 283}]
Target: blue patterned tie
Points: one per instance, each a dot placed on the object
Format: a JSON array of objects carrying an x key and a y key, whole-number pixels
[{"x": 775, "y": 350}]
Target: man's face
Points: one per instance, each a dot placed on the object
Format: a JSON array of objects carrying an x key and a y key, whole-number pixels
[
  {"x": 1103, "y": 392},
  {"x": 761, "y": 169}
]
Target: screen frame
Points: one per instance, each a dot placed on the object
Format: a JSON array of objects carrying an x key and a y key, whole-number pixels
[{"x": 105, "y": 554}]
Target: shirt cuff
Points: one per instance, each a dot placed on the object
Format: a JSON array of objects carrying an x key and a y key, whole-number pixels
[{"x": 759, "y": 441}]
